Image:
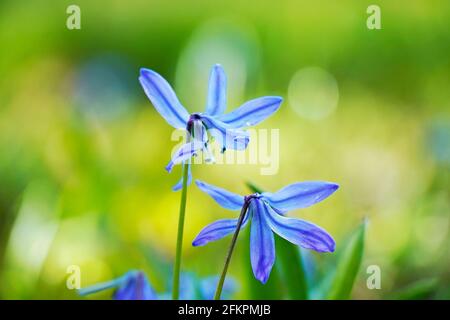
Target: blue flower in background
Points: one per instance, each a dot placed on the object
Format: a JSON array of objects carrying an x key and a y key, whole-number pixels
[
  {"x": 225, "y": 128},
  {"x": 194, "y": 288},
  {"x": 134, "y": 285},
  {"x": 266, "y": 211}
]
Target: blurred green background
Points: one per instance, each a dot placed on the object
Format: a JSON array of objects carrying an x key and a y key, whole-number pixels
[{"x": 82, "y": 150}]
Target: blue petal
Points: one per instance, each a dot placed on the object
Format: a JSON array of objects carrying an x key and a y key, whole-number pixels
[
  {"x": 179, "y": 184},
  {"x": 300, "y": 232},
  {"x": 135, "y": 287},
  {"x": 217, "y": 91},
  {"x": 228, "y": 137},
  {"x": 223, "y": 197},
  {"x": 163, "y": 97},
  {"x": 252, "y": 112},
  {"x": 185, "y": 152},
  {"x": 300, "y": 195},
  {"x": 217, "y": 230},
  {"x": 262, "y": 243}
]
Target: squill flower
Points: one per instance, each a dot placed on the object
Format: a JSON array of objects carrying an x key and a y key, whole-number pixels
[
  {"x": 266, "y": 211},
  {"x": 134, "y": 285},
  {"x": 213, "y": 123}
]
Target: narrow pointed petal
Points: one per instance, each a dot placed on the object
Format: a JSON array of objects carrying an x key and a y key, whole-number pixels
[
  {"x": 262, "y": 243},
  {"x": 184, "y": 153},
  {"x": 300, "y": 232},
  {"x": 161, "y": 94},
  {"x": 217, "y": 230},
  {"x": 135, "y": 287},
  {"x": 300, "y": 195},
  {"x": 228, "y": 137},
  {"x": 179, "y": 184},
  {"x": 252, "y": 112},
  {"x": 217, "y": 91},
  {"x": 225, "y": 198}
]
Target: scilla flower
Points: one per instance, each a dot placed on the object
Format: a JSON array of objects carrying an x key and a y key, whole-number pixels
[
  {"x": 225, "y": 128},
  {"x": 266, "y": 212},
  {"x": 134, "y": 285}
]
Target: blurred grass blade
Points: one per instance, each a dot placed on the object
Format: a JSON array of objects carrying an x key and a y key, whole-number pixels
[
  {"x": 348, "y": 265},
  {"x": 421, "y": 289},
  {"x": 288, "y": 270},
  {"x": 291, "y": 270}
]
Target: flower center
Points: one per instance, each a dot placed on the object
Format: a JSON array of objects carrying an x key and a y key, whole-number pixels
[{"x": 251, "y": 197}]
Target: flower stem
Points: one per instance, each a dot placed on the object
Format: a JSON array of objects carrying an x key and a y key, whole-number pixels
[
  {"x": 176, "y": 272},
  {"x": 230, "y": 250}
]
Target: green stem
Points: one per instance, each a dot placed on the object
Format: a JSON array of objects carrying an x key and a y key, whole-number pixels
[
  {"x": 177, "y": 267},
  {"x": 230, "y": 251}
]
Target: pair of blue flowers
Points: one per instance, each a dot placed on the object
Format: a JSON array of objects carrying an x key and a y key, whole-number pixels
[{"x": 266, "y": 211}]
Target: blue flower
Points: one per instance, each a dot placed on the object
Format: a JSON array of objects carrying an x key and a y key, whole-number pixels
[
  {"x": 134, "y": 285},
  {"x": 195, "y": 288},
  {"x": 266, "y": 211},
  {"x": 202, "y": 128}
]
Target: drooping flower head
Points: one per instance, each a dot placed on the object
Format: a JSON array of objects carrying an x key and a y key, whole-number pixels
[
  {"x": 134, "y": 285},
  {"x": 266, "y": 212},
  {"x": 213, "y": 123}
]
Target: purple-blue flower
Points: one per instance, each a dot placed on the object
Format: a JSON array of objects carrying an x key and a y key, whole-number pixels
[
  {"x": 266, "y": 212},
  {"x": 134, "y": 285},
  {"x": 213, "y": 123}
]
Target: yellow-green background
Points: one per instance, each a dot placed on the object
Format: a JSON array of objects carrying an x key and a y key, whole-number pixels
[{"x": 82, "y": 150}]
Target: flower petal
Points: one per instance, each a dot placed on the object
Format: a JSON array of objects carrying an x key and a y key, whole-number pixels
[
  {"x": 262, "y": 243},
  {"x": 217, "y": 230},
  {"x": 300, "y": 232},
  {"x": 217, "y": 91},
  {"x": 179, "y": 184},
  {"x": 300, "y": 195},
  {"x": 163, "y": 97},
  {"x": 225, "y": 198},
  {"x": 252, "y": 112},
  {"x": 185, "y": 152},
  {"x": 228, "y": 137}
]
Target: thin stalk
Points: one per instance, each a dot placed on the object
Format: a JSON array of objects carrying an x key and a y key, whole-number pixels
[
  {"x": 230, "y": 250},
  {"x": 177, "y": 267}
]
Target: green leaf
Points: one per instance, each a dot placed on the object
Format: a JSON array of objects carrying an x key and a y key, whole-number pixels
[
  {"x": 254, "y": 188},
  {"x": 289, "y": 266},
  {"x": 348, "y": 266},
  {"x": 418, "y": 290}
]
